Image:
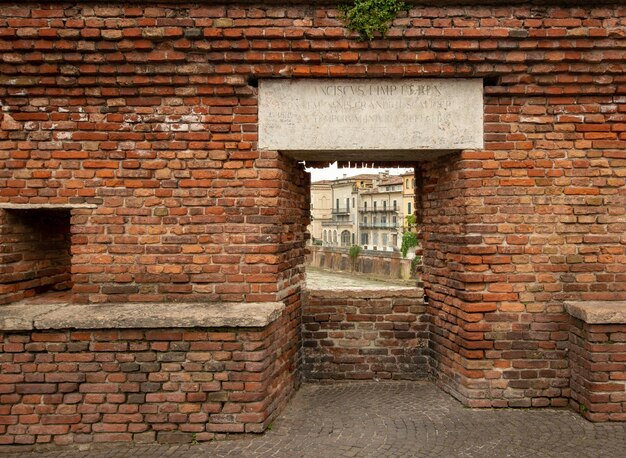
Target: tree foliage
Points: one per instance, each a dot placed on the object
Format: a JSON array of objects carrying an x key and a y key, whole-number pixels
[
  {"x": 409, "y": 240},
  {"x": 409, "y": 237},
  {"x": 354, "y": 251}
]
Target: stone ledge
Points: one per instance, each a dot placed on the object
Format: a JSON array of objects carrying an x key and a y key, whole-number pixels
[
  {"x": 8, "y": 206},
  {"x": 598, "y": 312},
  {"x": 23, "y": 317}
]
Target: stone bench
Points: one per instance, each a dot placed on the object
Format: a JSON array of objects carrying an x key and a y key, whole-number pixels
[
  {"x": 597, "y": 356},
  {"x": 75, "y": 373},
  {"x": 26, "y": 317}
]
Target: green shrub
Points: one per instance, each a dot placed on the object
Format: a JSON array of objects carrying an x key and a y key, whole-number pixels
[
  {"x": 354, "y": 251},
  {"x": 409, "y": 240}
]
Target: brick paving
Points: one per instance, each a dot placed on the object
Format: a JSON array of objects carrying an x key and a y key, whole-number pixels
[{"x": 391, "y": 419}]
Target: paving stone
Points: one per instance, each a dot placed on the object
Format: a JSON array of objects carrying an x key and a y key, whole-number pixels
[
  {"x": 320, "y": 279},
  {"x": 390, "y": 419}
]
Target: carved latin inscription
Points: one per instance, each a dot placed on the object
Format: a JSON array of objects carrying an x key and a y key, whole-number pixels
[{"x": 352, "y": 115}]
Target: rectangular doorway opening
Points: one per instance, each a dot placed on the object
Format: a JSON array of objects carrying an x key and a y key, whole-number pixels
[
  {"x": 361, "y": 220},
  {"x": 364, "y": 316}
]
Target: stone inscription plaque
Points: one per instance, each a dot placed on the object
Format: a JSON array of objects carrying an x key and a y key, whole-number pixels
[{"x": 370, "y": 115}]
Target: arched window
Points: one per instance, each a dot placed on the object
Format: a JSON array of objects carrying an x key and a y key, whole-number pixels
[
  {"x": 335, "y": 237},
  {"x": 324, "y": 235},
  {"x": 345, "y": 238}
]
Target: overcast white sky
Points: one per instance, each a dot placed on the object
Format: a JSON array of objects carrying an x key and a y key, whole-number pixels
[{"x": 332, "y": 172}]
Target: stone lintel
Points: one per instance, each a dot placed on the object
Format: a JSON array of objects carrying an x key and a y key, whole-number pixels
[
  {"x": 408, "y": 156},
  {"x": 23, "y": 317},
  {"x": 404, "y": 120},
  {"x": 598, "y": 312},
  {"x": 9, "y": 206}
]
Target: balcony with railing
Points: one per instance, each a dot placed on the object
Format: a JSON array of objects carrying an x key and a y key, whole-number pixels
[
  {"x": 372, "y": 225},
  {"x": 337, "y": 222},
  {"x": 341, "y": 210},
  {"x": 379, "y": 209}
]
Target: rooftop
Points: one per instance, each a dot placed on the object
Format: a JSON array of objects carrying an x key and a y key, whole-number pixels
[{"x": 392, "y": 180}]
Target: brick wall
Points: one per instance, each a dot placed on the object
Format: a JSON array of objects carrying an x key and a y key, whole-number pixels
[
  {"x": 534, "y": 219},
  {"x": 149, "y": 112},
  {"x": 597, "y": 354},
  {"x": 34, "y": 253},
  {"x": 364, "y": 335},
  {"x": 146, "y": 111},
  {"x": 494, "y": 341},
  {"x": 162, "y": 139},
  {"x": 170, "y": 385},
  {"x": 373, "y": 264}
]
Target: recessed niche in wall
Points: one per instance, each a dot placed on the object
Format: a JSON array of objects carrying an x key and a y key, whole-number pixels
[{"x": 35, "y": 254}]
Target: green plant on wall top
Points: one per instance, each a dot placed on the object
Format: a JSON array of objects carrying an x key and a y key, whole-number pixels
[
  {"x": 366, "y": 17},
  {"x": 409, "y": 240},
  {"x": 409, "y": 237},
  {"x": 354, "y": 252}
]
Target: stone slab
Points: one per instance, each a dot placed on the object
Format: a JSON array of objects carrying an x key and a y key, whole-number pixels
[
  {"x": 370, "y": 119},
  {"x": 18, "y": 317},
  {"x": 321, "y": 279},
  {"x": 10, "y": 206},
  {"x": 598, "y": 312}
]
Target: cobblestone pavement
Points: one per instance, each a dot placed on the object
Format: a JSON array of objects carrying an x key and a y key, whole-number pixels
[
  {"x": 322, "y": 279},
  {"x": 393, "y": 419}
]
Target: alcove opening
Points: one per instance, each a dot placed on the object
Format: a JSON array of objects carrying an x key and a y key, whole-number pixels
[{"x": 35, "y": 253}]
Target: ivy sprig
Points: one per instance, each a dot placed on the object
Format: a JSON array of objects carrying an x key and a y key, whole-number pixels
[{"x": 366, "y": 17}]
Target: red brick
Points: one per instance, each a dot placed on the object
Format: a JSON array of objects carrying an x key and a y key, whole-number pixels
[{"x": 543, "y": 192}]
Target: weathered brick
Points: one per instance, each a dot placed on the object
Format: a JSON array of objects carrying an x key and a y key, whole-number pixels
[
  {"x": 165, "y": 144},
  {"x": 99, "y": 394}
]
